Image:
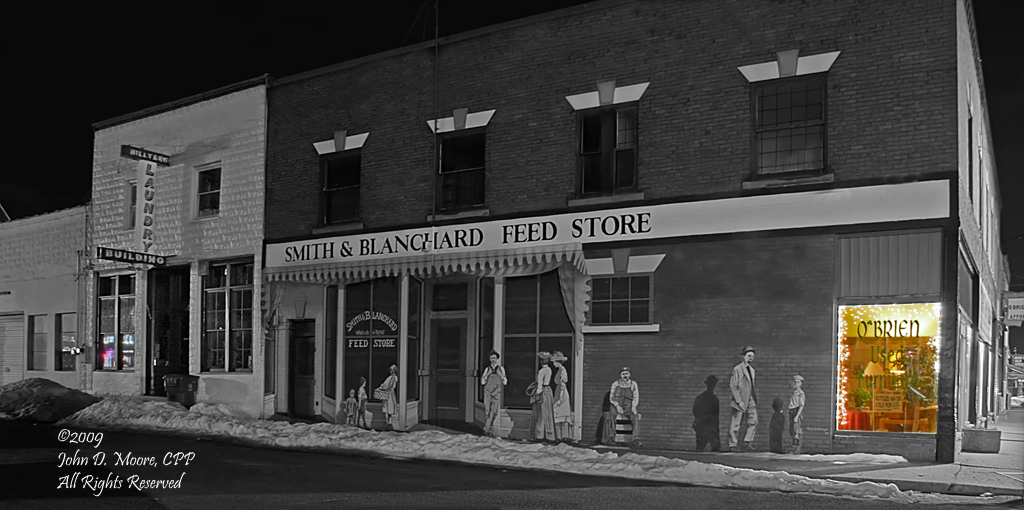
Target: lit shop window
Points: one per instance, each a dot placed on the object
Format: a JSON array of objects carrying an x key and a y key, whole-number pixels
[
  {"x": 888, "y": 367},
  {"x": 116, "y": 341}
]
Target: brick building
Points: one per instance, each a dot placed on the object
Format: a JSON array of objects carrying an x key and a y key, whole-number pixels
[
  {"x": 41, "y": 262},
  {"x": 653, "y": 185},
  {"x": 181, "y": 184}
]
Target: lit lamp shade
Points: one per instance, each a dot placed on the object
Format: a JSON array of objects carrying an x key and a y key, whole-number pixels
[{"x": 873, "y": 369}]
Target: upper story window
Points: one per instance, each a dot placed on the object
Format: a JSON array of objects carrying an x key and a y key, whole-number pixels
[
  {"x": 131, "y": 203},
  {"x": 607, "y": 158},
  {"x": 789, "y": 125},
  {"x": 341, "y": 166},
  {"x": 789, "y": 103},
  {"x": 341, "y": 175},
  {"x": 462, "y": 171},
  {"x": 462, "y": 155},
  {"x": 209, "y": 192}
]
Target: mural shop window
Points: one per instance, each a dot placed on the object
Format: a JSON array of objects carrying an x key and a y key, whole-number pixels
[
  {"x": 67, "y": 332},
  {"x": 37, "y": 345},
  {"x": 331, "y": 341},
  {"x": 789, "y": 125},
  {"x": 535, "y": 320},
  {"x": 116, "y": 349},
  {"x": 227, "y": 317},
  {"x": 131, "y": 202},
  {"x": 209, "y": 192},
  {"x": 888, "y": 367},
  {"x": 462, "y": 170},
  {"x": 485, "y": 316},
  {"x": 371, "y": 332},
  {"x": 621, "y": 299},
  {"x": 412, "y": 379},
  {"x": 341, "y": 176},
  {"x": 607, "y": 151}
]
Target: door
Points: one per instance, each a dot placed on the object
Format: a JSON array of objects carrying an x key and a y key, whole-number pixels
[
  {"x": 168, "y": 326},
  {"x": 301, "y": 369},
  {"x": 448, "y": 391},
  {"x": 12, "y": 346}
]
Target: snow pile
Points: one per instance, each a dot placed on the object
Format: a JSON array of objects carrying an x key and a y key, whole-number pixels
[
  {"x": 218, "y": 410},
  {"x": 847, "y": 458},
  {"x": 121, "y": 412},
  {"x": 42, "y": 400}
]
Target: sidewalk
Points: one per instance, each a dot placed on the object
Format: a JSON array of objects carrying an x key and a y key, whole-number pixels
[{"x": 974, "y": 474}]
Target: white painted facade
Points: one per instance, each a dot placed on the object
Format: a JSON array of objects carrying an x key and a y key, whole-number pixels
[
  {"x": 39, "y": 267},
  {"x": 225, "y": 131}
]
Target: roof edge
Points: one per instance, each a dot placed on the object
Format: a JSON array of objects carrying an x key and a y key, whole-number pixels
[
  {"x": 470, "y": 34},
  {"x": 180, "y": 103}
]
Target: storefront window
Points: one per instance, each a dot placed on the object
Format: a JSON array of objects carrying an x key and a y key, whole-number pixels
[
  {"x": 888, "y": 367},
  {"x": 535, "y": 320},
  {"x": 412, "y": 380},
  {"x": 227, "y": 317},
  {"x": 485, "y": 331},
  {"x": 371, "y": 332},
  {"x": 331, "y": 341},
  {"x": 116, "y": 342}
]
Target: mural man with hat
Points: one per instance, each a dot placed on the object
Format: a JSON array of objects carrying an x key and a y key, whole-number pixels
[
  {"x": 624, "y": 396},
  {"x": 705, "y": 416},
  {"x": 744, "y": 401}
]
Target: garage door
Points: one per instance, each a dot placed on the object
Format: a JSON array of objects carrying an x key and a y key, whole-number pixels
[{"x": 12, "y": 348}]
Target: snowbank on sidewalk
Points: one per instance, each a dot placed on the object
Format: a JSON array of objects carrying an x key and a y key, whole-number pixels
[{"x": 136, "y": 414}]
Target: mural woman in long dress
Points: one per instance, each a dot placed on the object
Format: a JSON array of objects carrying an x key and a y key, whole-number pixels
[
  {"x": 562, "y": 409},
  {"x": 542, "y": 423},
  {"x": 391, "y": 402}
]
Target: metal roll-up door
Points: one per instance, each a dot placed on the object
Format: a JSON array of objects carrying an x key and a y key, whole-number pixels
[{"x": 12, "y": 348}]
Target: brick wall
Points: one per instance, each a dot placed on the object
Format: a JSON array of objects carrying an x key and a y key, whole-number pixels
[
  {"x": 914, "y": 447},
  {"x": 711, "y": 299},
  {"x": 891, "y": 104}
]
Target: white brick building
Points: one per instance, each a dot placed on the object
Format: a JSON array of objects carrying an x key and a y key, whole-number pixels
[
  {"x": 40, "y": 260},
  {"x": 200, "y": 313}
]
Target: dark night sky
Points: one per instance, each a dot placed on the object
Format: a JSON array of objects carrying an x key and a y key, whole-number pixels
[{"x": 89, "y": 63}]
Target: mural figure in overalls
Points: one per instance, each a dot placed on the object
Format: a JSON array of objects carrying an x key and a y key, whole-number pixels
[
  {"x": 624, "y": 397},
  {"x": 493, "y": 380},
  {"x": 744, "y": 401}
]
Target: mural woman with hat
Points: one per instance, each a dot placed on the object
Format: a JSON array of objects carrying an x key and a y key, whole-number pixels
[
  {"x": 562, "y": 409},
  {"x": 542, "y": 421},
  {"x": 386, "y": 394}
]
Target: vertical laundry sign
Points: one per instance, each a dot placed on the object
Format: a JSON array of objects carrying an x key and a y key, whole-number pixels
[{"x": 145, "y": 194}]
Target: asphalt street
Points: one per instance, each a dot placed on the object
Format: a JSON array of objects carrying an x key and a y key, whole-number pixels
[{"x": 234, "y": 476}]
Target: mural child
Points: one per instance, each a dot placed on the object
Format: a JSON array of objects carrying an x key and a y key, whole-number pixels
[
  {"x": 624, "y": 397},
  {"x": 493, "y": 380},
  {"x": 362, "y": 398},
  {"x": 777, "y": 427},
  {"x": 744, "y": 401},
  {"x": 351, "y": 406},
  {"x": 705, "y": 416},
  {"x": 562, "y": 409},
  {"x": 542, "y": 420},
  {"x": 796, "y": 413}
]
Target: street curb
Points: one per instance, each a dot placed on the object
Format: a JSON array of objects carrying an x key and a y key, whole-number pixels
[{"x": 955, "y": 489}]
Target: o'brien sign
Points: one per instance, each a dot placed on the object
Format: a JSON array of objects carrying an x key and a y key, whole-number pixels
[
  {"x": 145, "y": 193},
  {"x": 869, "y": 204},
  {"x": 130, "y": 256}
]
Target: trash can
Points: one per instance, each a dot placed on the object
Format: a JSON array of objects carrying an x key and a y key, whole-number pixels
[{"x": 181, "y": 388}]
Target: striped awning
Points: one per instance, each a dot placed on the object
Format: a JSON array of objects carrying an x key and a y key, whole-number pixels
[{"x": 488, "y": 262}]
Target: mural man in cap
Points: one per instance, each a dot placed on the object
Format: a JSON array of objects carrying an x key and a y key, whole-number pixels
[
  {"x": 744, "y": 401},
  {"x": 624, "y": 397},
  {"x": 705, "y": 416}
]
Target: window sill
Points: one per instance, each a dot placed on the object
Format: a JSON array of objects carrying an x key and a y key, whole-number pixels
[
  {"x": 339, "y": 227},
  {"x": 610, "y": 199},
  {"x": 206, "y": 218},
  {"x": 622, "y": 328},
  {"x": 784, "y": 182},
  {"x": 473, "y": 213}
]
